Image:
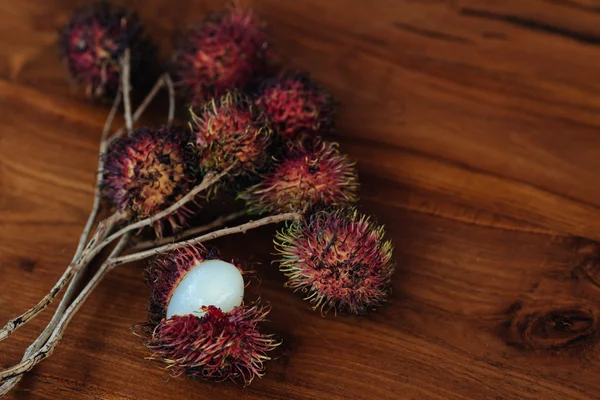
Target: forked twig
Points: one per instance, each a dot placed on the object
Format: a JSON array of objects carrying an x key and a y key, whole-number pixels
[
  {"x": 35, "y": 346},
  {"x": 164, "y": 79},
  {"x": 46, "y": 350}
]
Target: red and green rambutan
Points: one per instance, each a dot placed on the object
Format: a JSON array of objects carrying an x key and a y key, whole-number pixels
[
  {"x": 94, "y": 40},
  {"x": 231, "y": 131},
  {"x": 225, "y": 51},
  {"x": 313, "y": 173},
  {"x": 147, "y": 172},
  {"x": 339, "y": 258},
  {"x": 296, "y": 104},
  {"x": 217, "y": 345}
]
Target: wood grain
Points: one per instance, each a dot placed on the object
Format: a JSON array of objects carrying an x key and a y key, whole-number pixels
[{"x": 475, "y": 126}]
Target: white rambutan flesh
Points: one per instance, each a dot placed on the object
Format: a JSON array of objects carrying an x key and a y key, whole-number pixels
[{"x": 209, "y": 283}]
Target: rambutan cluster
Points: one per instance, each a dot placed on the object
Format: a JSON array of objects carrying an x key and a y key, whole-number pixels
[
  {"x": 339, "y": 258},
  {"x": 261, "y": 140},
  {"x": 94, "y": 40}
]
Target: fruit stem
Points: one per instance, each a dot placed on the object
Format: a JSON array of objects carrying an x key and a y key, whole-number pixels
[
  {"x": 125, "y": 82},
  {"x": 243, "y": 228},
  {"x": 189, "y": 232}
]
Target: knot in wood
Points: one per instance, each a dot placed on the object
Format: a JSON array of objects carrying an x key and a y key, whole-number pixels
[{"x": 565, "y": 326}]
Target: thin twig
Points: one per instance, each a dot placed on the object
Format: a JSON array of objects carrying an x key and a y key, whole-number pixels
[
  {"x": 171, "y": 90},
  {"x": 50, "y": 345},
  {"x": 126, "y": 82},
  {"x": 189, "y": 232},
  {"x": 273, "y": 219}
]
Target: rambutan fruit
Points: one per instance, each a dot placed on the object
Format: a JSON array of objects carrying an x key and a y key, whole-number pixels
[
  {"x": 296, "y": 104},
  {"x": 313, "y": 173},
  {"x": 148, "y": 171},
  {"x": 225, "y": 51},
  {"x": 231, "y": 130},
  {"x": 198, "y": 324},
  {"x": 94, "y": 40},
  {"x": 339, "y": 258}
]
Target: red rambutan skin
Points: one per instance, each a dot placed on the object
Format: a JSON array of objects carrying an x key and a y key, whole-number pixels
[
  {"x": 219, "y": 346},
  {"x": 226, "y": 50},
  {"x": 228, "y": 131},
  {"x": 339, "y": 258},
  {"x": 216, "y": 345},
  {"x": 148, "y": 171},
  {"x": 314, "y": 173},
  {"x": 295, "y": 104},
  {"x": 94, "y": 40}
]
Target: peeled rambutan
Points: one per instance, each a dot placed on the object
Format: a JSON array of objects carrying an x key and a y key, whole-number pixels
[
  {"x": 313, "y": 173},
  {"x": 148, "y": 171},
  {"x": 93, "y": 42},
  {"x": 231, "y": 130},
  {"x": 339, "y": 258},
  {"x": 296, "y": 104},
  {"x": 225, "y": 51},
  {"x": 193, "y": 337}
]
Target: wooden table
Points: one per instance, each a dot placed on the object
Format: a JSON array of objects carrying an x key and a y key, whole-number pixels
[{"x": 476, "y": 129}]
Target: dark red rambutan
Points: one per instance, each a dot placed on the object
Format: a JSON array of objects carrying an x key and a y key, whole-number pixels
[
  {"x": 296, "y": 104},
  {"x": 231, "y": 130},
  {"x": 218, "y": 345},
  {"x": 148, "y": 171},
  {"x": 339, "y": 258},
  {"x": 215, "y": 345},
  {"x": 314, "y": 172},
  {"x": 93, "y": 42},
  {"x": 226, "y": 50}
]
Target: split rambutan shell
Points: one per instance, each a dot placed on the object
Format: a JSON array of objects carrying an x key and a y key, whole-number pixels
[
  {"x": 95, "y": 39},
  {"x": 339, "y": 258},
  {"x": 225, "y": 51},
  {"x": 296, "y": 104},
  {"x": 313, "y": 173},
  {"x": 217, "y": 345},
  {"x": 148, "y": 171},
  {"x": 228, "y": 131}
]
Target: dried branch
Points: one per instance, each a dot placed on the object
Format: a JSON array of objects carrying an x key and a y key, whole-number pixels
[
  {"x": 126, "y": 82},
  {"x": 48, "y": 348},
  {"x": 273, "y": 219},
  {"x": 189, "y": 232}
]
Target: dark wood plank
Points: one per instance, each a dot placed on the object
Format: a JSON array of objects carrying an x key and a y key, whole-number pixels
[{"x": 475, "y": 128}]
